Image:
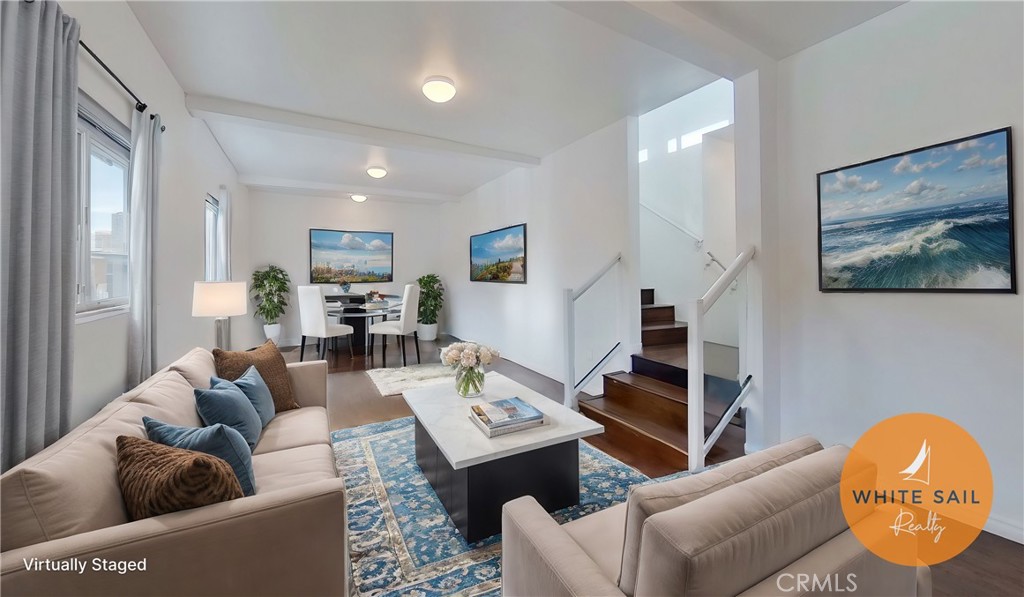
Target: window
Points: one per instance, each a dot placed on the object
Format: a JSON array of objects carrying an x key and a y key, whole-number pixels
[
  {"x": 212, "y": 233},
  {"x": 103, "y": 229}
]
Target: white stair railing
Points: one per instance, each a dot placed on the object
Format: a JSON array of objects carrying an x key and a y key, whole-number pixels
[
  {"x": 697, "y": 445},
  {"x": 571, "y": 387}
]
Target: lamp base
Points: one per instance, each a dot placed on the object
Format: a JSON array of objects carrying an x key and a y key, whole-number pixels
[{"x": 223, "y": 325}]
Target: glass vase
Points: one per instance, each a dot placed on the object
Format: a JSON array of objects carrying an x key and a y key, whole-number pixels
[{"x": 469, "y": 381}]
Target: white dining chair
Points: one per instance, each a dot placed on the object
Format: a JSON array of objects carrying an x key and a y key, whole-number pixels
[
  {"x": 315, "y": 323},
  {"x": 402, "y": 327}
]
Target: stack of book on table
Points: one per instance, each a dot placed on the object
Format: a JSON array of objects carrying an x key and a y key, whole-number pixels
[{"x": 505, "y": 416}]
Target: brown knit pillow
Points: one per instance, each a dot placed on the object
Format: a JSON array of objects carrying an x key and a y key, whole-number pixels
[
  {"x": 269, "y": 362},
  {"x": 157, "y": 479}
]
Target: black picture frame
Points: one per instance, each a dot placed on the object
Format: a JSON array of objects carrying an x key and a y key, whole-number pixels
[
  {"x": 313, "y": 279},
  {"x": 852, "y": 177},
  {"x": 524, "y": 267}
]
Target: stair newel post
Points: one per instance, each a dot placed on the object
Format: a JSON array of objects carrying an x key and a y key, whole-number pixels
[
  {"x": 695, "y": 386},
  {"x": 569, "y": 399}
]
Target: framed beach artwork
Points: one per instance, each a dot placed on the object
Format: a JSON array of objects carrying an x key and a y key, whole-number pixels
[
  {"x": 353, "y": 256},
  {"x": 499, "y": 255},
  {"x": 935, "y": 219}
]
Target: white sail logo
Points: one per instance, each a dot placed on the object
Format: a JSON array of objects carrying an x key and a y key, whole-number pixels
[{"x": 923, "y": 462}]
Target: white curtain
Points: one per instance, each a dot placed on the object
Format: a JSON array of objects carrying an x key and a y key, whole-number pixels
[
  {"x": 144, "y": 173},
  {"x": 224, "y": 235},
  {"x": 38, "y": 221}
]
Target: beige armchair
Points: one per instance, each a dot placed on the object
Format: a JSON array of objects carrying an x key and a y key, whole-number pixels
[{"x": 748, "y": 527}]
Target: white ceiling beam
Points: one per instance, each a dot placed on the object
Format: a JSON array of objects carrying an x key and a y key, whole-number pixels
[
  {"x": 669, "y": 27},
  {"x": 226, "y": 110},
  {"x": 325, "y": 189}
]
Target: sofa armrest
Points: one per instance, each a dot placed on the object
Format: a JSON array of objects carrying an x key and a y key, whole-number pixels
[
  {"x": 309, "y": 382},
  {"x": 539, "y": 558},
  {"x": 286, "y": 542}
]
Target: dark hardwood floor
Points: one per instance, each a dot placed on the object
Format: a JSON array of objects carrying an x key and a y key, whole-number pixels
[{"x": 991, "y": 567}]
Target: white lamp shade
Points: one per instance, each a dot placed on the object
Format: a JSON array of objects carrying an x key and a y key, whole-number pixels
[{"x": 219, "y": 299}]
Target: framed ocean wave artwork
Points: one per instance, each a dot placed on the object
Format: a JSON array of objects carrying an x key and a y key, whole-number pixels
[{"x": 934, "y": 219}]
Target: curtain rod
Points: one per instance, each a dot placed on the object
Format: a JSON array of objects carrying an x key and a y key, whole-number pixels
[{"x": 139, "y": 104}]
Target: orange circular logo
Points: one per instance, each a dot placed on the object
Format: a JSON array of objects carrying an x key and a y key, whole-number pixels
[{"x": 916, "y": 489}]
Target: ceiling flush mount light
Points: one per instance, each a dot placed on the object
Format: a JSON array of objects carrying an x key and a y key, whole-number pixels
[
  {"x": 376, "y": 172},
  {"x": 359, "y": 198},
  {"x": 439, "y": 89}
]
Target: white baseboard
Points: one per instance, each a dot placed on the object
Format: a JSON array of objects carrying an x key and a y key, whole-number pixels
[{"x": 1006, "y": 529}]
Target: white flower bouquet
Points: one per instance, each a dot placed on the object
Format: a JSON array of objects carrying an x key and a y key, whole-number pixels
[{"x": 468, "y": 360}]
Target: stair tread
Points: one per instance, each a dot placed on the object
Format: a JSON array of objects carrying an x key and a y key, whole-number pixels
[
  {"x": 649, "y": 384},
  {"x": 730, "y": 444},
  {"x": 663, "y": 326},
  {"x": 657, "y": 306},
  {"x": 714, "y": 406},
  {"x": 671, "y": 436}
]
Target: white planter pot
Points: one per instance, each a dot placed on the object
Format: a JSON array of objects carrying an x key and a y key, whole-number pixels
[
  {"x": 272, "y": 332},
  {"x": 427, "y": 331}
]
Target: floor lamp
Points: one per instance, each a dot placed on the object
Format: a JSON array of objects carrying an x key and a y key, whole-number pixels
[{"x": 220, "y": 300}]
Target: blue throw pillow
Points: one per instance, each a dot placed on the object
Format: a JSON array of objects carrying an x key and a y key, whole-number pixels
[
  {"x": 219, "y": 440},
  {"x": 226, "y": 403},
  {"x": 255, "y": 389}
]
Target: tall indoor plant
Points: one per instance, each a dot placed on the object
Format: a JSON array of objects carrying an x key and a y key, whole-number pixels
[
  {"x": 431, "y": 301},
  {"x": 269, "y": 290}
]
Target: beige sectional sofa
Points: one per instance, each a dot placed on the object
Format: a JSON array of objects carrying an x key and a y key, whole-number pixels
[
  {"x": 752, "y": 526},
  {"x": 64, "y": 505}
]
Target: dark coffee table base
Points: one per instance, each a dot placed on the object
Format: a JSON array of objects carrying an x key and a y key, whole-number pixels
[{"x": 473, "y": 496}]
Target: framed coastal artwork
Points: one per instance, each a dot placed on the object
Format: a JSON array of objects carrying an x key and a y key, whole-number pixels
[
  {"x": 353, "y": 256},
  {"x": 499, "y": 255},
  {"x": 935, "y": 219}
]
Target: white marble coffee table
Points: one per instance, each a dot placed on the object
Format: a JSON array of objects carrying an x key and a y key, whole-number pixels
[{"x": 474, "y": 475}]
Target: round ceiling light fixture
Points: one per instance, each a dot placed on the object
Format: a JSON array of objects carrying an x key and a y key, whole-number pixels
[
  {"x": 377, "y": 172},
  {"x": 439, "y": 89},
  {"x": 359, "y": 198}
]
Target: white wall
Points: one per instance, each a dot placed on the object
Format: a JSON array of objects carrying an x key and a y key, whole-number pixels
[
  {"x": 280, "y": 226},
  {"x": 921, "y": 74},
  {"x": 192, "y": 166},
  {"x": 718, "y": 188},
  {"x": 580, "y": 207},
  {"x": 674, "y": 194}
]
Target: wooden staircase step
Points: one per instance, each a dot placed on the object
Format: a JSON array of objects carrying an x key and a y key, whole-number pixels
[
  {"x": 624, "y": 383},
  {"x": 626, "y": 442},
  {"x": 638, "y": 431},
  {"x": 661, "y": 400},
  {"x": 657, "y": 314},
  {"x": 646, "y": 296},
  {"x": 660, "y": 334}
]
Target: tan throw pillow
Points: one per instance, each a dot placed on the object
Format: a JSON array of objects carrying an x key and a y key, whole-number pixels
[
  {"x": 268, "y": 361},
  {"x": 157, "y": 479}
]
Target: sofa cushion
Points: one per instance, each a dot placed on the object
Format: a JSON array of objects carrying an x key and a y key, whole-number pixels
[
  {"x": 70, "y": 487},
  {"x": 287, "y": 468},
  {"x": 231, "y": 365},
  {"x": 256, "y": 390},
  {"x": 197, "y": 367},
  {"x": 216, "y": 440},
  {"x": 225, "y": 403},
  {"x": 157, "y": 479},
  {"x": 170, "y": 396},
  {"x": 749, "y": 530},
  {"x": 647, "y": 500},
  {"x": 600, "y": 535},
  {"x": 304, "y": 426}
]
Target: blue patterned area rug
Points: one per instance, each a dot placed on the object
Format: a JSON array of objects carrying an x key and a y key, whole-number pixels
[{"x": 401, "y": 539}]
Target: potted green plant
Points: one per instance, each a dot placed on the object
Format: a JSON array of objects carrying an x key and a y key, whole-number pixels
[
  {"x": 269, "y": 290},
  {"x": 431, "y": 301}
]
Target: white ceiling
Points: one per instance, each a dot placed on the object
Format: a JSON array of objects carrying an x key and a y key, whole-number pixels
[
  {"x": 532, "y": 77},
  {"x": 303, "y": 96},
  {"x": 781, "y": 29}
]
